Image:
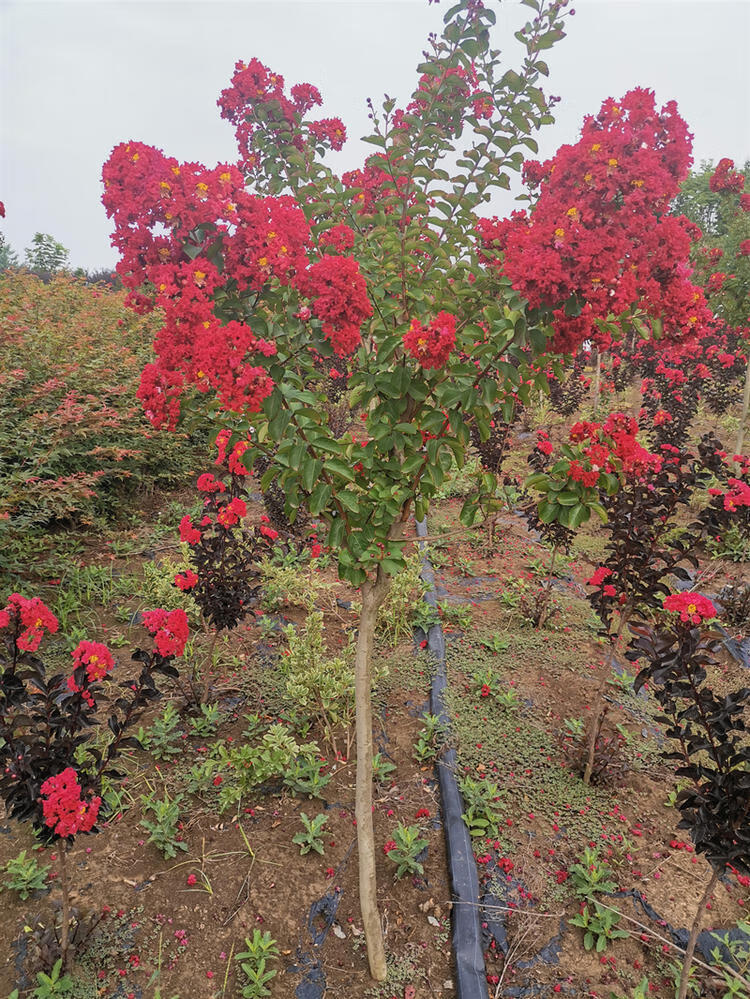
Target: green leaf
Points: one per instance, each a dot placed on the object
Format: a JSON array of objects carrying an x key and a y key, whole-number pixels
[
  {"x": 512, "y": 80},
  {"x": 311, "y": 469},
  {"x": 278, "y": 425},
  {"x": 599, "y": 511},
  {"x": 579, "y": 515},
  {"x": 348, "y": 500},
  {"x": 336, "y": 533},
  {"x": 320, "y": 498},
  {"x": 340, "y": 468},
  {"x": 548, "y": 511},
  {"x": 549, "y": 39}
]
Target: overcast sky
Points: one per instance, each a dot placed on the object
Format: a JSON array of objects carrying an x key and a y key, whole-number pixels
[{"x": 78, "y": 77}]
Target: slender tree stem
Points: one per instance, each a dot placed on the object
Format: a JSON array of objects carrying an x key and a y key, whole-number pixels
[
  {"x": 745, "y": 411},
  {"x": 65, "y": 933},
  {"x": 208, "y": 668},
  {"x": 597, "y": 718},
  {"x": 597, "y": 381},
  {"x": 373, "y": 595},
  {"x": 685, "y": 973}
]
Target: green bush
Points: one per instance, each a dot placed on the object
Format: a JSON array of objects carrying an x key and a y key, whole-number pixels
[{"x": 74, "y": 440}]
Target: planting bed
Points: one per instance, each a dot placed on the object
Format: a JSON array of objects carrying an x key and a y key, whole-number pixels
[{"x": 180, "y": 922}]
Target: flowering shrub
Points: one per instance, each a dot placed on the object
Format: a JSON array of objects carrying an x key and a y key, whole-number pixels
[
  {"x": 728, "y": 507},
  {"x": 596, "y": 460},
  {"x": 719, "y": 200},
  {"x": 48, "y": 722},
  {"x": 225, "y": 554},
  {"x": 63, "y": 709},
  {"x": 708, "y": 733}
]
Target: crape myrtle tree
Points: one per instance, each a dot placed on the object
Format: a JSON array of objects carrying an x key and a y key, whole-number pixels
[
  {"x": 723, "y": 264},
  {"x": 266, "y": 268},
  {"x": 272, "y": 272}
]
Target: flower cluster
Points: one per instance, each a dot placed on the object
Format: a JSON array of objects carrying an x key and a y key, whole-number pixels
[
  {"x": 340, "y": 300},
  {"x": 726, "y": 178},
  {"x": 610, "y": 447},
  {"x": 92, "y": 661},
  {"x": 65, "y": 811},
  {"x": 598, "y": 579},
  {"x": 693, "y": 608},
  {"x": 28, "y": 620},
  {"x": 431, "y": 345},
  {"x": 188, "y": 235},
  {"x": 170, "y": 630},
  {"x": 255, "y": 103},
  {"x": 600, "y": 232}
]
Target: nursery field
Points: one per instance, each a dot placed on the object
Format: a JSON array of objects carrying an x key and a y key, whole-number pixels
[{"x": 229, "y": 852}]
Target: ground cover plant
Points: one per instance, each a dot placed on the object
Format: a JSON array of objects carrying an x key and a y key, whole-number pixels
[{"x": 361, "y": 351}]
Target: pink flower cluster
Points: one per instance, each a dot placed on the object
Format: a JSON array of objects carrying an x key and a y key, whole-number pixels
[
  {"x": 340, "y": 300},
  {"x": 692, "y": 607},
  {"x": 170, "y": 630},
  {"x": 64, "y": 809},
  {"x": 98, "y": 661},
  {"x": 30, "y": 618},
  {"x": 255, "y": 103},
  {"x": 726, "y": 178},
  {"x": 598, "y": 579},
  {"x": 431, "y": 345}
]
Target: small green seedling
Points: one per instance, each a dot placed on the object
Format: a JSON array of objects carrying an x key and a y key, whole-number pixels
[
  {"x": 425, "y": 747},
  {"x": 382, "y": 768},
  {"x": 405, "y": 847},
  {"x": 599, "y": 926},
  {"x": 163, "y": 828},
  {"x": 310, "y": 839},
  {"x": 590, "y": 876},
  {"x": 25, "y": 876},
  {"x": 261, "y": 949}
]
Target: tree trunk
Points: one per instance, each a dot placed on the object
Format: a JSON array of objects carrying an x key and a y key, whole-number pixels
[
  {"x": 209, "y": 668},
  {"x": 373, "y": 595},
  {"x": 597, "y": 716},
  {"x": 65, "y": 933},
  {"x": 597, "y": 380},
  {"x": 685, "y": 973},
  {"x": 745, "y": 411}
]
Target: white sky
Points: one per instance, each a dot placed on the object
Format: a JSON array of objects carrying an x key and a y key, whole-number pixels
[{"x": 79, "y": 76}]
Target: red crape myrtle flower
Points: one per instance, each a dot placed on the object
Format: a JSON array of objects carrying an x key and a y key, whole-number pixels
[
  {"x": 600, "y": 232},
  {"x": 170, "y": 630},
  {"x": 340, "y": 301},
  {"x": 185, "y": 581},
  {"x": 64, "y": 809},
  {"x": 188, "y": 532},
  {"x": 98, "y": 662},
  {"x": 692, "y": 607},
  {"x": 599, "y": 576},
  {"x": 431, "y": 345},
  {"x": 32, "y": 616},
  {"x": 726, "y": 178}
]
